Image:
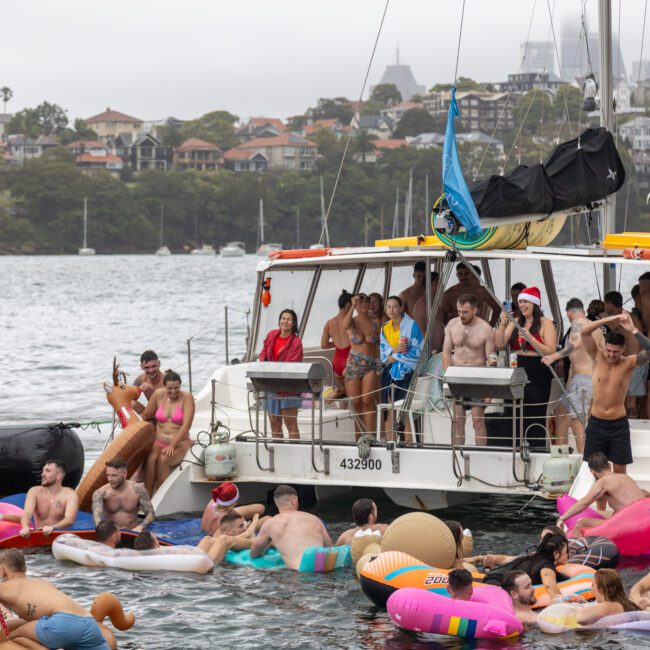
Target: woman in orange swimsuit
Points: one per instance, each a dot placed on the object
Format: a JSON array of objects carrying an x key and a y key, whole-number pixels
[{"x": 172, "y": 411}]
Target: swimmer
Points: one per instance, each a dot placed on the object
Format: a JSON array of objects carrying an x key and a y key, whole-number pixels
[
  {"x": 46, "y": 616},
  {"x": 459, "y": 584},
  {"x": 364, "y": 513},
  {"x": 235, "y": 534},
  {"x": 107, "y": 532},
  {"x": 608, "y": 591},
  {"x": 640, "y": 593},
  {"x": 224, "y": 500},
  {"x": 290, "y": 531},
  {"x": 51, "y": 504},
  {"x": 519, "y": 586}
]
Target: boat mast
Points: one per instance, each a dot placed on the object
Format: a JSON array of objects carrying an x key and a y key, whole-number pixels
[
  {"x": 606, "y": 110},
  {"x": 85, "y": 245},
  {"x": 261, "y": 221},
  {"x": 323, "y": 217},
  {"x": 162, "y": 206}
]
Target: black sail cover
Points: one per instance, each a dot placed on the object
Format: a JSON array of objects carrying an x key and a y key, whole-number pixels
[{"x": 576, "y": 173}]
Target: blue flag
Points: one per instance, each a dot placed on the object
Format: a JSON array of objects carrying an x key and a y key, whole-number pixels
[{"x": 457, "y": 193}]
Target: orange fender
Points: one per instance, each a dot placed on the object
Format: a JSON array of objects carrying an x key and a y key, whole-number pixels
[
  {"x": 637, "y": 253},
  {"x": 299, "y": 253}
]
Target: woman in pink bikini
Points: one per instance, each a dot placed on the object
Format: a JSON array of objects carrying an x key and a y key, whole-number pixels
[{"x": 172, "y": 411}]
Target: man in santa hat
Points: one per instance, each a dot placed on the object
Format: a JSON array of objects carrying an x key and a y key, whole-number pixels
[{"x": 224, "y": 499}]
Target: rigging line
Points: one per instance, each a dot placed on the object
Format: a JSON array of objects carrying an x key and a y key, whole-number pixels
[
  {"x": 618, "y": 67},
  {"x": 347, "y": 141},
  {"x": 460, "y": 36},
  {"x": 559, "y": 66}
]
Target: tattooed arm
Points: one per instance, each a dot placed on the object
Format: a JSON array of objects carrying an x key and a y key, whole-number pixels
[
  {"x": 98, "y": 505},
  {"x": 145, "y": 506}
]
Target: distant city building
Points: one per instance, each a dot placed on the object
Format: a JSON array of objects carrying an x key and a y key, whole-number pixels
[
  {"x": 401, "y": 76},
  {"x": 537, "y": 56},
  {"x": 198, "y": 155},
  {"x": 21, "y": 148},
  {"x": 93, "y": 157},
  {"x": 111, "y": 123},
  {"x": 643, "y": 65},
  {"x": 286, "y": 151}
]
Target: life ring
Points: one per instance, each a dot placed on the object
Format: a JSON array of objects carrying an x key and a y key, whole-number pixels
[
  {"x": 487, "y": 615},
  {"x": 9, "y": 528},
  {"x": 168, "y": 558},
  {"x": 298, "y": 253},
  {"x": 561, "y": 617}
]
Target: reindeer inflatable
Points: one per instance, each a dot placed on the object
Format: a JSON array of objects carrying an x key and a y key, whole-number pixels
[{"x": 132, "y": 444}]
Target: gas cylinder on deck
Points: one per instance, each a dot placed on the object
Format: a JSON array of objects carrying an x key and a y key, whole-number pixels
[
  {"x": 220, "y": 456},
  {"x": 559, "y": 471}
]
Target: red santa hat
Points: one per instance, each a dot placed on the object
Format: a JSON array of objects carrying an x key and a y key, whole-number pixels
[
  {"x": 225, "y": 494},
  {"x": 531, "y": 294}
]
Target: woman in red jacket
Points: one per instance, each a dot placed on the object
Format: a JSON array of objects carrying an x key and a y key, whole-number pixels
[{"x": 283, "y": 344}]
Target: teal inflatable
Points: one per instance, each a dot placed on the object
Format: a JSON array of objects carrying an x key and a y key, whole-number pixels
[
  {"x": 270, "y": 560},
  {"x": 315, "y": 559}
]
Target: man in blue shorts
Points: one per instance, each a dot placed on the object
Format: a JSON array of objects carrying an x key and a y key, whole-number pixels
[{"x": 45, "y": 615}]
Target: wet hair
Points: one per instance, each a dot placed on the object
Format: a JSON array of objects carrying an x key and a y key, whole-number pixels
[
  {"x": 59, "y": 464},
  {"x": 361, "y": 511},
  {"x": 598, "y": 462},
  {"x": 145, "y": 541},
  {"x": 105, "y": 529},
  {"x": 534, "y": 328},
  {"x": 575, "y": 304},
  {"x": 509, "y": 582},
  {"x": 344, "y": 299},
  {"x": 117, "y": 463},
  {"x": 615, "y": 338},
  {"x": 283, "y": 491},
  {"x": 636, "y": 291},
  {"x": 148, "y": 355},
  {"x": 457, "y": 531},
  {"x": 645, "y": 277},
  {"x": 468, "y": 299},
  {"x": 459, "y": 579},
  {"x": 419, "y": 267},
  {"x": 398, "y": 300},
  {"x": 294, "y": 316},
  {"x": 171, "y": 375},
  {"x": 518, "y": 286},
  {"x": 229, "y": 518},
  {"x": 614, "y": 298},
  {"x": 610, "y": 585},
  {"x": 13, "y": 559}
]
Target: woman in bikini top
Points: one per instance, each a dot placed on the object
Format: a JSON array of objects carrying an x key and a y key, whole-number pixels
[{"x": 172, "y": 411}]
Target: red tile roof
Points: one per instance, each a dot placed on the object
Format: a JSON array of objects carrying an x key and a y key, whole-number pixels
[
  {"x": 239, "y": 154},
  {"x": 276, "y": 122},
  {"x": 88, "y": 157},
  {"x": 284, "y": 140},
  {"x": 390, "y": 143},
  {"x": 87, "y": 144},
  {"x": 112, "y": 116},
  {"x": 195, "y": 143}
]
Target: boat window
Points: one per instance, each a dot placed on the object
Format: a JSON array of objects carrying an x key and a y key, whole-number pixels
[
  {"x": 373, "y": 280},
  {"x": 498, "y": 274},
  {"x": 289, "y": 290},
  {"x": 330, "y": 286},
  {"x": 401, "y": 278},
  {"x": 530, "y": 273}
]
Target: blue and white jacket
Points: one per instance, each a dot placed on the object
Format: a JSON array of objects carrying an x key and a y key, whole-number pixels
[{"x": 406, "y": 361}]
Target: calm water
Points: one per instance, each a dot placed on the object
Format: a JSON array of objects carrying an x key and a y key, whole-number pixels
[{"x": 62, "y": 319}]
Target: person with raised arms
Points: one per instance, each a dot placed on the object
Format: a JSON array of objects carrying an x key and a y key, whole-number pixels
[
  {"x": 51, "y": 504},
  {"x": 224, "y": 500}
]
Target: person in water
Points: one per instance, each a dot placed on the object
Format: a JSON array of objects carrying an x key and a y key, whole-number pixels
[
  {"x": 121, "y": 499},
  {"x": 335, "y": 336},
  {"x": 608, "y": 429},
  {"x": 364, "y": 513},
  {"x": 640, "y": 593},
  {"x": 107, "y": 532},
  {"x": 459, "y": 584},
  {"x": 45, "y": 615},
  {"x": 150, "y": 379},
  {"x": 224, "y": 500},
  {"x": 235, "y": 534},
  {"x": 400, "y": 349},
  {"x": 51, "y": 504},
  {"x": 458, "y": 533},
  {"x": 363, "y": 366},
  {"x": 608, "y": 591},
  {"x": 618, "y": 489},
  {"x": 412, "y": 294},
  {"x": 518, "y": 585},
  {"x": 290, "y": 531},
  {"x": 172, "y": 411},
  {"x": 283, "y": 344}
]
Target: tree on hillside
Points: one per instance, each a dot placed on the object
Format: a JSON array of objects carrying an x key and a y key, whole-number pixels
[
  {"x": 533, "y": 111},
  {"x": 568, "y": 99},
  {"x": 45, "y": 119},
  {"x": 217, "y": 127},
  {"x": 363, "y": 144},
  {"x": 170, "y": 135},
  {"x": 384, "y": 93},
  {"x": 462, "y": 83},
  {"x": 7, "y": 94},
  {"x": 296, "y": 122},
  {"x": 81, "y": 131},
  {"x": 334, "y": 108},
  {"x": 414, "y": 122}
]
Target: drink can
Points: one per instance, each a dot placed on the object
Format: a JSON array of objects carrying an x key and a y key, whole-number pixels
[
  {"x": 492, "y": 359},
  {"x": 405, "y": 340},
  {"x": 513, "y": 359}
]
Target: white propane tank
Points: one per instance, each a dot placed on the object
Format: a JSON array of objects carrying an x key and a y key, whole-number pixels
[
  {"x": 220, "y": 457},
  {"x": 559, "y": 471}
]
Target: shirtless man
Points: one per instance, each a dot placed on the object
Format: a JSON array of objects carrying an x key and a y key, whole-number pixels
[
  {"x": 608, "y": 429},
  {"x": 46, "y": 616},
  {"x": 471, "y": 341},
  {"x": 224, "y": 500},
  {"x": 107, "y": 532},
  {"x": 573, "y": 410},
  {"x": 459, "y": 584},
  {"x": 644, "y": 299},
  {"x": 518, "y": 585},
  {"x": 467, "y": 283},
  {"x": 336, "y": 336},
  {"x": 421, "y": 317},
  {"x": 364, "y": 513},
  {"x": 150, "y": 379},
  {"x": 121, "y": 500},
  {"x": 290, "y": 531},
  {"x": 51, "y": 504},
  {"x": 619, "y": 489},
  {"x": 235, "y": 534},
  {"x": 411, "y": 294}
]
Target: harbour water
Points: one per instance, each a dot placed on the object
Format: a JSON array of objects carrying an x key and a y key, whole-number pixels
[{"x": 62, "y": 319}]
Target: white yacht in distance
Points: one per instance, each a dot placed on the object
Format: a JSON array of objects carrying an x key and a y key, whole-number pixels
[
  {"x": 85, "y": 250},
  {"x": 233, "y": 249},
  {"x": 206, "y": 249},
  {"x": 162, "y": 251},
  {"x": 265, "y": 249}
]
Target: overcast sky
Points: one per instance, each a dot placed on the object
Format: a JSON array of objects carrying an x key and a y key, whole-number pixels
[{"x": 156, "y": 58}]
